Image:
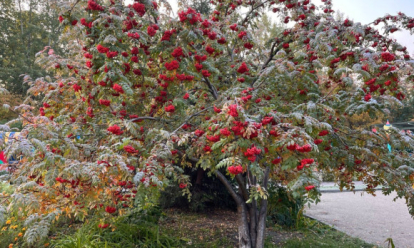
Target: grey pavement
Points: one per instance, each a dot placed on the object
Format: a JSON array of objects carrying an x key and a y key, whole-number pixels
[
  {"x": 373, "y": 219},
  {"x": 333, "y": 187}
]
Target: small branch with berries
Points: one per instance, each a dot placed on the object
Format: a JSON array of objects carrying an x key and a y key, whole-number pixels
[{"x": 189, "y": 118}]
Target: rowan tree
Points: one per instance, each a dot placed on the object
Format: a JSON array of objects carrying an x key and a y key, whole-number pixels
[{"x": 148, "y": 93}]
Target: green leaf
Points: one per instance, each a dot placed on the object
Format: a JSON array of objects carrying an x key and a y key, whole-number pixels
[{"x": 290, "y": 163}]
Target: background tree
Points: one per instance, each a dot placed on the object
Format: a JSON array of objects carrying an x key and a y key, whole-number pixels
[
  {"x": 404, "y": 111},
  {"x": 202, "y": 6},
  {"x": 27, "y": 26},
  {"x": 8, "y": 101},
  {"x": 267, "y": 29},
  {"x": 137, "y": 98}
]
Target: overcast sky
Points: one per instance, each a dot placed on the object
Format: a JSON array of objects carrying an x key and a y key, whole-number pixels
[{"x": 366, "y": 11}]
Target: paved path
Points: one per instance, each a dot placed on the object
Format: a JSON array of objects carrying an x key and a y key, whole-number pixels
[
  {"x": 373, "y": 219},
  {"x": 333, "y": 187}
]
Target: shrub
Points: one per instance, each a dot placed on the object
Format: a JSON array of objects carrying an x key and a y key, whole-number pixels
[{"x": 283, "y": 208}]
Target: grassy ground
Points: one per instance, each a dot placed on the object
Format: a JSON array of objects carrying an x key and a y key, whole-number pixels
[
  {"x": 322, "y": 236},
  {"x": 219, "y": 229},
  {"x": 173, "y": 228}
]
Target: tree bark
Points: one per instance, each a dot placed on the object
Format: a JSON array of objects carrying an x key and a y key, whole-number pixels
[
  {"x": 253, "y": 213},
  {"x": 244, "y": 232},
  {"x": 200, "y": 175},
  {"x": 261, "y": 225},
  {"x": 243, "y": 223},
  {"x": 251, "y": 220}
]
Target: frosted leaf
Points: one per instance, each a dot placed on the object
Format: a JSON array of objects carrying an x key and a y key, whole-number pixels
[
  {"x": 356, "y": 67},
  {"x": 228, "y": 162},
  {"x": 316, "y": 63},
  {"x": 38, "y": 227},
  {"x": 311, "y": 106},
  {"x": 110, "y": 39},
  {"x": 281, "y": 69},
  {"x": 290, "y": 65},
  {"x": 280, "y": 54},
  {"x": 4, "y": 128},
  {"x": 138, "y": 177},
  {"x": 326, "y": 125},
  {"x": 183, "y": 140},
  {"x": 340, "y": 71},
  {"x": 6, "y": 106},
  {"x": 125, "y": 86},
  {"x": 348, "y": 81},
  {"x": 301, "y": 55},
  {"x": 297, "y": 116},
  {"x": 3, "y": 217}
]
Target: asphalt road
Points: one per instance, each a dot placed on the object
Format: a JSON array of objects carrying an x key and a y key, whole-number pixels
[{"x": 373, "y": 219}]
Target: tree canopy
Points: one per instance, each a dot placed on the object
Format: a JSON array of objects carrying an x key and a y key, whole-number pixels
[{"x": 140, "y": 94}]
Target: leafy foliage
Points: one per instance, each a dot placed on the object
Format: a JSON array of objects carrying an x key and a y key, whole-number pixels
[
  {"x": 284, "y": 209},
  {"x": 141, "y": 94}
]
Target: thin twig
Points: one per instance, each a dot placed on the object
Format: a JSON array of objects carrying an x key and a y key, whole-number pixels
[
  {"x": 211, "y": 87},
  {"x": 189, "y": 118},
  {"x": 21, "y": 115},
  {"x": 145, "y": 118},
  {"x": 71, "y": 9},
  {"x": 271, "y": 55},
  {"x": 251, "y": 11}
]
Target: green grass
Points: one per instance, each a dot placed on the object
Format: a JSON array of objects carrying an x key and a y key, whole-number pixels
[
  {"x": 328, "y": 239},
  {"x": 138, "y": 229},
  {"x": 319, "y": 235}
]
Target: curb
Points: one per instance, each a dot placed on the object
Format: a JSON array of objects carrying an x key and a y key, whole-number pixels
[{"x": 339, "y": 191}]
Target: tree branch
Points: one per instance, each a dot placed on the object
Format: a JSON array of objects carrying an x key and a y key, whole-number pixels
[
  {"x": 21, "y": 115},
  {"x": 146, "y": 118},
  {"x": 73, "y": 7},
  {"x": 266, "y": 177},
  {"x": 194, "y": 160},
  {"x": 228, "y": 186},
  {"x": 271, "y": 55},
  {"x": 211, "y": 87},
  {"x": 242, "y": 187},
  {"x": 189, "y": 118}
]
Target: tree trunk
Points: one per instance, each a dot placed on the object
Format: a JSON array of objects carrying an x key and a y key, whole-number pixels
[
  {"x": 253, "y": 212},
  {"x": 251, "y": 220},
  {"x": 243, "y": 223},
  {"x": 261, "y": 225},
  {"x": 200, "y": 175}
]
